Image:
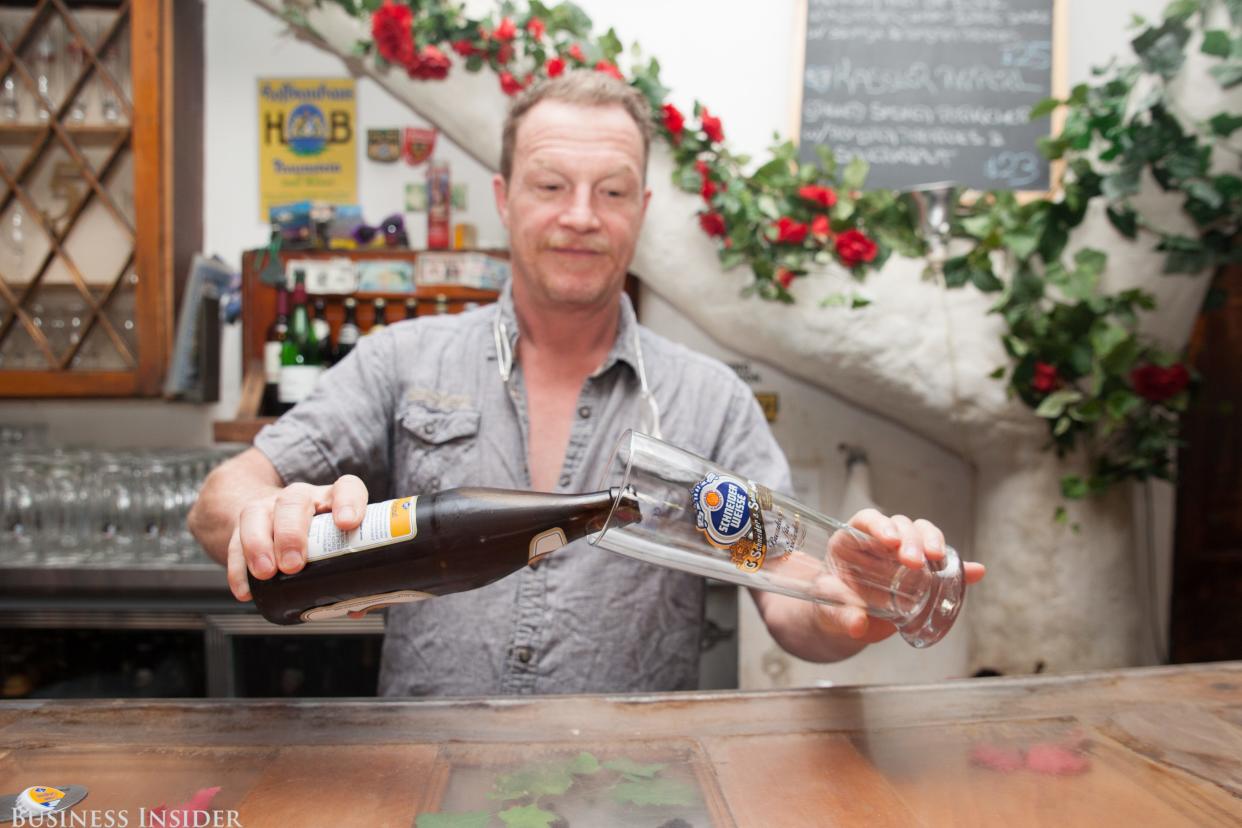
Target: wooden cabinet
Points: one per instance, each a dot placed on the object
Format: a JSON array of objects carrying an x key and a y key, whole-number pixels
[{"x": 100, "y": 191}]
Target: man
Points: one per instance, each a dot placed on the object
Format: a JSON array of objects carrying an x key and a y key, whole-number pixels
[{"x": 531, "y": 393}]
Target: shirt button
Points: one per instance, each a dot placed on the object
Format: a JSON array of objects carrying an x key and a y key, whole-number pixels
[
  {"x": 584, "y": 412},
  {"x": 428, "y": 428},
  {"x": 525, "y": 654},
  {"x": 565, "y": 480}
]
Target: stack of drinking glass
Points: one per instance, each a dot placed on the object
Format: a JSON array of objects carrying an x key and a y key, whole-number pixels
[{"x": 91, "y": 507}]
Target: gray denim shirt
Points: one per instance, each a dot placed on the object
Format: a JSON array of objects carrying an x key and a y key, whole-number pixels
[{"x": 420, "y": 407}]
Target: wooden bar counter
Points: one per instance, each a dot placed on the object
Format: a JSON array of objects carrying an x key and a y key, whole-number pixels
[{"x": 1159, "y": 746}]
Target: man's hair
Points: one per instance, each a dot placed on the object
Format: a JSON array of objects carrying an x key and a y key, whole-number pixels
[{"x": 584, "y": 87}]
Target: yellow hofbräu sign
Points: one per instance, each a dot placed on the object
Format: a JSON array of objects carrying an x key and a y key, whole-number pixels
[{"x": 307, "y": 141}]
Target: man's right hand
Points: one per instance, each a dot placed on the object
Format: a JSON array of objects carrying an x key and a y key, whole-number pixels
[{"x": 271, "y": 532}]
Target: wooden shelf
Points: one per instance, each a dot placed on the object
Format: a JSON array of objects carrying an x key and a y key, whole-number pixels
[{"x": 259, "y": 309}]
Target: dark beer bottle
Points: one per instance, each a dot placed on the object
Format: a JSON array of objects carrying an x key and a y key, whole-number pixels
[
  {"x": 418, "y": 547},
  {"x": 273, "y": 341},
  {"x": 347, "y": 335}
]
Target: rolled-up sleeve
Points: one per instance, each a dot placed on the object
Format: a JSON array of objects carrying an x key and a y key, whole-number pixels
[{"x": 345, "y": 425}]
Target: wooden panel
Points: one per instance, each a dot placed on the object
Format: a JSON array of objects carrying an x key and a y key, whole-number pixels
[
  {"x": 346, "y": 785},
  {"x": 1206, "y": 612},
  {"x": 35, "y": 384},
  {"x": 804, "y": 779}
]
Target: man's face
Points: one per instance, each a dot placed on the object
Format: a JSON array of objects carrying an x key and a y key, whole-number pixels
[{"x": 574, "y": 203}]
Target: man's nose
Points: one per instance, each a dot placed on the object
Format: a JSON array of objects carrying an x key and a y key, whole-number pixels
[{"x": 579, "y": 214}]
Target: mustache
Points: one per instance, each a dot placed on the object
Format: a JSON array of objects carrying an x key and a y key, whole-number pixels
[{"x": 588, "y": 245}]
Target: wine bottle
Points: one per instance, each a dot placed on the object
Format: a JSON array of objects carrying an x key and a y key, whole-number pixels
[
  {"x": 272, "y": 342},
  {"x": 323, "y": 331},
  {"x": 347, "y": 335},
  {"x": 418, "y": 547},
  {"x": 379, "y": 310},
  {"x": 442, "y": 304},
  {"x": 411, "y": 307},
  {"x": 300, "y": 365}
]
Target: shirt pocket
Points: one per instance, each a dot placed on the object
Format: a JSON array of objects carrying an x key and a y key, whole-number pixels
[{"x": 436, "y": 447}]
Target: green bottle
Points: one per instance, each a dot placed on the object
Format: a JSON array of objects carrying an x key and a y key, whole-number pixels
[{"x": 300, "y": 358}]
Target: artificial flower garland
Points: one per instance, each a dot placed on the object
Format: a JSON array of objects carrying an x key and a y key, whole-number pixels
[{"x": 1077, "y": 358}]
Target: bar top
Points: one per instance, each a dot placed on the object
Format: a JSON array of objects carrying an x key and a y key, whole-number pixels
[{"x": 1151, "y": 746}]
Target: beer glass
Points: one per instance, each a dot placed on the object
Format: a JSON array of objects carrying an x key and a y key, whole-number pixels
[{"x": 701, "y": 518}]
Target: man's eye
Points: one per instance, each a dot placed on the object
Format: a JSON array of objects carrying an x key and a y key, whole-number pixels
[
  {"x": 549, "y": 187},
  {"x": 615, "y": 193}
]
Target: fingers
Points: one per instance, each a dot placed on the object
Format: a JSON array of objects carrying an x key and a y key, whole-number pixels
[
  {"x": 911, "y": 551},
  {"x": 236, "y": 568},
  {"x": 254, "y": 536},
  {"x": 914, "y": 540},
  {"x": 973, "y": 572},
  {"x": 291, "y": 517},
  {"x": 349, "y": 501},
  {"x": 932, "y": 538}
]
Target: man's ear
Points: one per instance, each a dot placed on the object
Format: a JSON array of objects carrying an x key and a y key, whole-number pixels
[{"x": 501, "y": 191}]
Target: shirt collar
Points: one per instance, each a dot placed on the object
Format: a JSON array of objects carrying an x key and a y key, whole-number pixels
[{"x": 622, "y": 348}]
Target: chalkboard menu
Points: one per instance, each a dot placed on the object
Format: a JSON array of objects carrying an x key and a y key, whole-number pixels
[{"x": 930, "y": 90}]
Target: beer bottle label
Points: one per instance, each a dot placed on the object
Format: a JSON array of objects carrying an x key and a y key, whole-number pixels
[{"x": 387, "y": 522}]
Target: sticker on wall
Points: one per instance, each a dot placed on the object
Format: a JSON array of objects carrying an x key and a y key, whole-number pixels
[
  {"x": 416, "y": 197},
  {"x": 770, "y": 402},
  {"x": 418, "y": 145},
  {"x": 384, "y": 145},
  {"x": 307, "y": 142}
]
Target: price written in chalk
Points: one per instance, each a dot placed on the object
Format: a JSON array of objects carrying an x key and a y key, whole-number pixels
[{"x": 928, "y": 90}]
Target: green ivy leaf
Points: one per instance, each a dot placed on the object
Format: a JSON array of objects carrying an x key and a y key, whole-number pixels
[
  {"x": 655, "y": 792},
  {"x": 1180, "y": 9},
  {"x": 1216, "y": 43},
  {"x": 1021, "y": 240},
  {"x": 610, "y": 45},
  {"x": 1123, "y": 218},
  {"x": 1225, "y": 124},
  {"x": 998, "y": 373},
  {"x": 1161, "y": 49},
  {"x": 546, "y": 780},
  {"x": 1055, "y": 403},
  {"x": 854, "y": 174},
  {"x": 984, "y": 279},
  {"x": 454, "y": 819},
  {"x": 1124, "y": 182},
  {"x": 527, "y": 816},
  {"x": 980, "y": 225},
  {"x": 1228, "y": 75},
  {"x": 1044, "y": 108},
  {"x": 1073, "y": 487}
]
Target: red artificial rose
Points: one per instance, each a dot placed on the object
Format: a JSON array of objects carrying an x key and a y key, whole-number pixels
[
  {"x": 463, "y": 47},
  {"x": 390, "y": 28},
  {"x": 854, "y": 247},
  {"x": 575, "y": 52},
  {"x": 820, "y": 227},
  {"x": 701, "y": 167},
  {"x": 711, "y": 126},
  {"x": 509, "y": 84},
  {"x": 535, "y": 27},
  {"x": 555, "y": 67},
  {"x": 609, "y": 69},
  {"x": 816, "y": 194},
  {"x": 789, "y": 231},
  {"x": 1156, "y": 383},
  {"x": 506, "y": 31},
  {"x": 674, "y": 121},
  {"x": 784, "y": 277},
  {"x": 709, "y": 189},
  {"x": 713, "y": 224},
  {"x": 431, "y": 64},
  {"x": 1045, "y": 380},
  {"x": 505, "y": 53}
]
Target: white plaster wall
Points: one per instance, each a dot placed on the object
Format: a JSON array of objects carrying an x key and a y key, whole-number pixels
[{"x": 736, "y": 57}]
